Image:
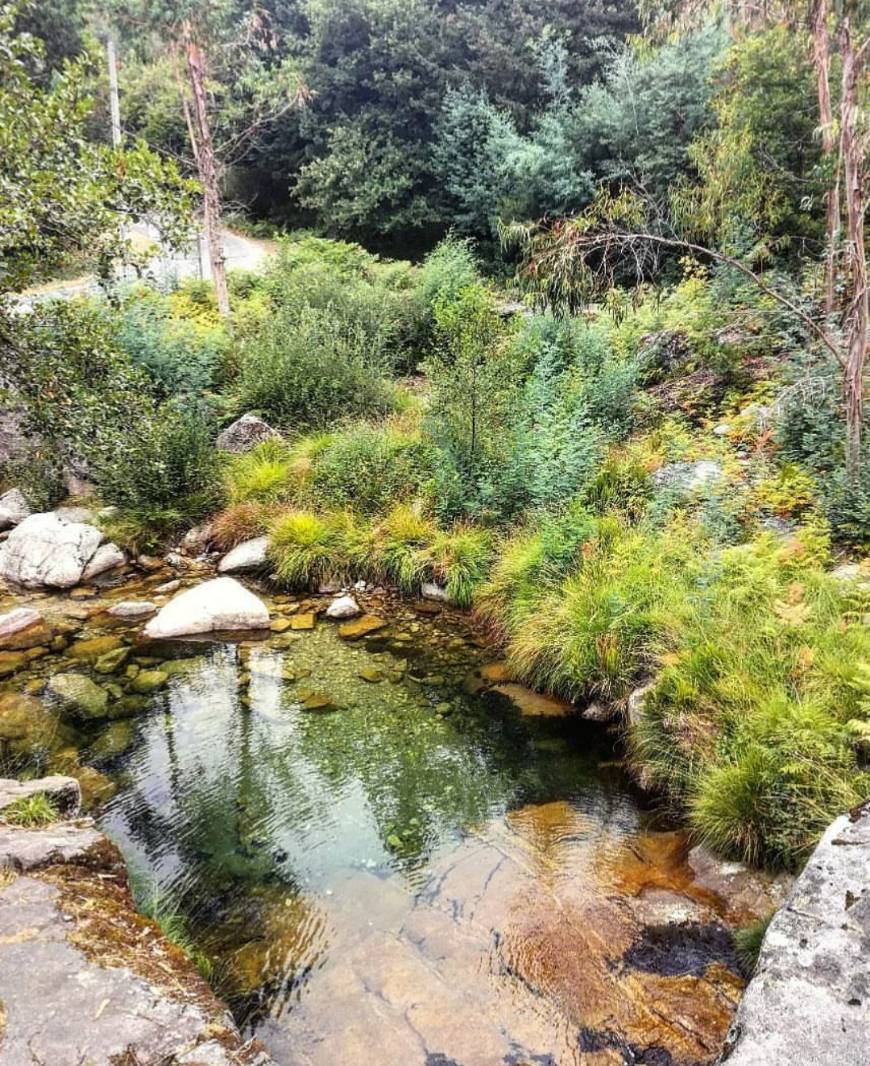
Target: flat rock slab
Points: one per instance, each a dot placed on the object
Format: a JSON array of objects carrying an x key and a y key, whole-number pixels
[
  {"x": 32, "y": 849},
  {"x": 809, "y": 1001},
  {"x": 85, "y": 979},
  {"x": 64, "y": 792}
]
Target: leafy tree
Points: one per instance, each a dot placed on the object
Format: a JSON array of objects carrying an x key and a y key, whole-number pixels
[{"x": 60, "y": 191}]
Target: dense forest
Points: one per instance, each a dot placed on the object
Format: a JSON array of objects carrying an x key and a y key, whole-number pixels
[{"x": 567, "y": 311}]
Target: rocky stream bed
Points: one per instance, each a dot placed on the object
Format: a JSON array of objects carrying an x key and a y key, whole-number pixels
[{"x": 378, "y": 845}]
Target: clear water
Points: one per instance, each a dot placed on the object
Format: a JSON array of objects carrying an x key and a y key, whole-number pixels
[{"x": 414, "y": 874}]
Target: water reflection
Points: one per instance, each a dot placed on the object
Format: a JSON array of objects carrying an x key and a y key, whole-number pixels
[{"x": 417, "y": 873}]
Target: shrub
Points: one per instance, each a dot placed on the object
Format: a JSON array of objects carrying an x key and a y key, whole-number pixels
[
  {"x": 311, "y": 369},
  {"x": 368, "y": 468},
  {"x": 263, "y": 475},
  {"x": 308, "y": 549},
  {"x": 238, "y": 523},
  {"x": 164, "y": 475},
  {"x": 182, "y": 355}
]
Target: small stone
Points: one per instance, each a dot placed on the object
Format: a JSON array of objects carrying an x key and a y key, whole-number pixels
[
  {"x": 303, "y": 621},
  {"x": 23, "y": 628},
  {"x": 147, "y": 681},
  {"x": 132, "y": 609},
  {"x": 361, "y": 627},
  {"x": 169, "y": 586},
  {"x": 245, "y": 433},
  {"x": 250, "y": 555},
  {"x": 280, "y": 625},
  {"x": 149, "y": 562},
  {"x": 431, "y": 590},
  {"x": 371, "y": 674},
  {"x": 443, "y": 709},
  {"x": 343, "y": 607},
  {"x": 82, "y": 592},
  {"x": 316, "y": 701},
  {"x": 111, "y": 661},
  {"x": 93, "y": 648}
]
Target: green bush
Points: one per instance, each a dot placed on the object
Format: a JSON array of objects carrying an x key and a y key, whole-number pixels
[
  {"x": 368, "y": 468},
  {"x": 309, "y": 369},
  {"x": 262, "y": 475},
  {"x": 307, "y": 549},
  {"x": 164, "y": 475},
  {"x": 181, "y": 355}
]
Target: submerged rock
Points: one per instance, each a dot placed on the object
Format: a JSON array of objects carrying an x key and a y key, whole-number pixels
[
  {"x": 245, "y": 433},
  {"x": 533, "y": 704},
  {"x": 79, "y": 695},
  {"x": 361, "y": 627},
  {"x": 343, "y": 607},
  {"x": 23, "y": 628},
  {"x": 250, "y": 555},
  {"x": 809, "y": 1001},
  {"x": 149, "y": 681},
  {"x": 221, "y": 604},
  {"x": 14, "y": 508}
]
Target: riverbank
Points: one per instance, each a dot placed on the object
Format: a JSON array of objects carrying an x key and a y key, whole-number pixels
[{"x": 84, "y": 977}]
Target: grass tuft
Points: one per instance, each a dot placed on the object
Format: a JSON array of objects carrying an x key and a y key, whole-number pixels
[{"x": 31, "y": 811}]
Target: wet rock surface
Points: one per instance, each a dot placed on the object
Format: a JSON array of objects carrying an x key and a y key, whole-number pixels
[
  {"x": 809, "y": 1001},
  {"x": 84, "y": 978},
  {"x": 219, "y": 605}
]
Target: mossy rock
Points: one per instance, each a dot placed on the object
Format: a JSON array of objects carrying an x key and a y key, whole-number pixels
[
  {"x": 147, "y": 681},
  {"x": 111, "y": 661},
  {"x": 80, "y": 696},
  {"x": 94, "y": 648}
]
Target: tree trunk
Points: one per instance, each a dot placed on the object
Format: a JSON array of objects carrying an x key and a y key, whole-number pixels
[
  {"x": 858, "y": 317},
  {"x": 822, "y": 61},
  {"x": 203, "y": 151}
]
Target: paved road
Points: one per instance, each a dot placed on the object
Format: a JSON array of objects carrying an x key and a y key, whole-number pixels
[{"x": 242, "y": 253}]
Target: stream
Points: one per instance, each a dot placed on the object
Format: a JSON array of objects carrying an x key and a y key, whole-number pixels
[{"x": 374, "y": 854}]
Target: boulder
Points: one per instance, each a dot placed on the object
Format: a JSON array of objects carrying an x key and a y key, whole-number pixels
[
  {"x": 431, "y": 590},
  {"x": 47, "y": 550},
  {"x": 132, "y": 609},
  {"x": 221, "y": 604},
  {"x": 23, "y": 628},
  {"x": 64, "y": 792},
  {"x": 106, "y": 557},
  {"x": 809, "y": 1001},
  {"x": 80, "y": 696},
  {"x": 343, "y": 607},
  {"x": 250, "y": 555},
  {"x": 687, "y": 477},
  {"x": 14, "y": 508},
  {"x": 245, "y": 433}
]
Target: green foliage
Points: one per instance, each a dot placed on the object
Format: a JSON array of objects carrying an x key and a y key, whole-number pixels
[
  {"x": 368, "y": 468},
  {"x": 308, "y": 369},
  {"x": 263, "y": 475},
  {"x": 460, "y": 559},
  {"x": 182, "y": 355},
  {"x": 308, "y": 549},
  {"x": 761, "y": 180},
  {"x": 401, "y": 543},
  {"x": 31, "y": 812},
  {"x": 61, "y": 190},
  {"x": 163, "y": 909},
  {"x": 748, "y": 941},
  {"x": 163, "y": 476}
]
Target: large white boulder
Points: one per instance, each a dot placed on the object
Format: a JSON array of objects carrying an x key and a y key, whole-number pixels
[
  {"x": 13, "y": 508},
  {"x": 250, "y": 555},
  {"x": 47, "y": 550},
  {"x": 221, "y": 604}
]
